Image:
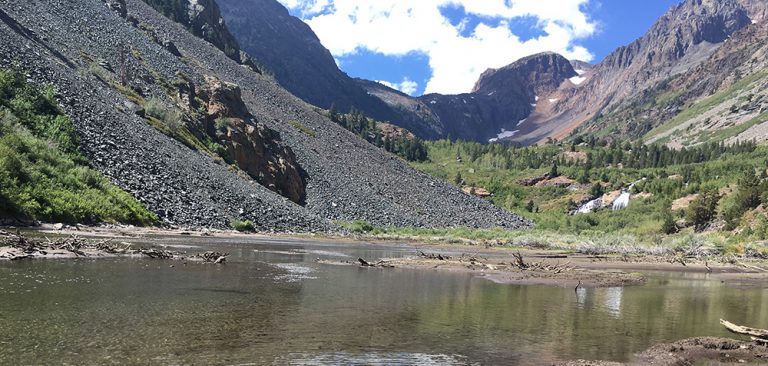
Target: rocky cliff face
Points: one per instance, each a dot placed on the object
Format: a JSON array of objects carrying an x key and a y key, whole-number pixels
[
  {"x": 253, "y": 147},
  {"x": 501, "y": 98},
  {"x": 203, "y": 18}
]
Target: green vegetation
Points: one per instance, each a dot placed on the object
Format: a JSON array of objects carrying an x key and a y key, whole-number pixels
[
  {"x": 304, "y": 129},
  {"x": 518, "y": 178},
  {"x": 708, "y": 103},
  {"x": 410, "y": 148},
  {"x": 43, "y": 176},
  {"x": 243, "y": 225},
  {"x": 358, "y": 227},
  {"x": 171, "y": 118}
]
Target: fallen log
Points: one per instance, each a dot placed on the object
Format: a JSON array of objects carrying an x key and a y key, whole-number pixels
[
  {"x": 379, "y": 264},
  {"x": 434, "y": 256},
  {"x": 760, "y": 334}
]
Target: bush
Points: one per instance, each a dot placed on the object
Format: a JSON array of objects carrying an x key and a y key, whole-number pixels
[
  {"x": 703, "y": 209},
  {"x": 171, "y": 118},
  {"x": 243, "y": 225},
  {"x": 42, "y": 174},
  {"x": 304, "y": 129},
  {"x": 221, "y": 124},
  {"x": 668, "y": 225},
  {"x": 359, "y": 227}
]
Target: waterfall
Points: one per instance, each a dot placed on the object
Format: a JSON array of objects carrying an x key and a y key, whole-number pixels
[
  {"x": 621, "y": 202},
  {"x": 590, "y": 206}
]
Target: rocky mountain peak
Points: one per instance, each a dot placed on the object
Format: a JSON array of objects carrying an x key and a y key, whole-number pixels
[
  {"x": 535, "y": 74},
  {"x": 677, "y": 33}
]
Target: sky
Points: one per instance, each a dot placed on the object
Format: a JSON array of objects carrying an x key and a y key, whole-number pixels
[{"x": 442, "y": 46}]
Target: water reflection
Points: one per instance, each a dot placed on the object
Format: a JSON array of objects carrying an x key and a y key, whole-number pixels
[
  {"x": 613, "y": 301},
  {"x": 277, "y": 305}
]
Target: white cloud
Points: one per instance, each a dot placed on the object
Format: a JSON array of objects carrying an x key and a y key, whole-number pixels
[
  {"x": 406, "y": 86},
  {"x": 457, "y": 56}
]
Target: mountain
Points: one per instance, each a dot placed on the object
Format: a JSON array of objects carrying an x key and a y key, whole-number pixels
[
  {"x": 290, "y": 50},
  {"x": 200, "y": 139},
  {"x": 201, "y": 17},
  {"x": 542, "y": 97},
  {"x": 682, "y": 38}
]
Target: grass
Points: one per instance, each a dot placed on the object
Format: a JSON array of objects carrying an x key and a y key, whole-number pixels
[
  {"x": 725, "y": 133},
  {"x": 708, "y": 103},
  {"x": 637, "y": 226},
  {"x": 303, "y": 129},
  {"x": 243, "y": 226},
  {"x": 590, "y": 243},
  {"x": 43, "y": 176}
]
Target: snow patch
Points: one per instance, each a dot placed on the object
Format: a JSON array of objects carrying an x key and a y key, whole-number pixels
[
  {"x": 577, "y": 80},
  {"x": 754, "y": 21},
  {"x": 522, "y": 121},
  {"x": 491, "y": 93},
  {"x": 504, "y": 134},
  {"x": 580, "y": 72},
  {"x": 553, "y": 100},
  {"x": 432, "y": 102},
  {"x": 536, "y": 99}
]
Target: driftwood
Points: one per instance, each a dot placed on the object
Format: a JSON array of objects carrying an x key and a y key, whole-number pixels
[
  {"x": 379, "y": 264},
  {"x": 213, "y": 257},
  {"x": 758, "y": 335},
  {"x": 434, "y": 256},
  {"x": 32, "y": 247},
  {"x": 538, "y": 266}
]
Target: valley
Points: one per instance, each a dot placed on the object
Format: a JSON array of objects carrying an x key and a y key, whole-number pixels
[{"x": 199, "y": 182}]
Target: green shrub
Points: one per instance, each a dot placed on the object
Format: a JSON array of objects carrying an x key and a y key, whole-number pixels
[
  {"x": 219, "y": 150},
  {"x": 171, "y": 118},
  {"x": 304, "y": 129},
  {"x": 703, "y": 209},
  {"x": 357, "y": 226},
  {"x": 243, "y": 225},
  {"x": 221, "y": 124},
  {"x": 42, "y": 174}
]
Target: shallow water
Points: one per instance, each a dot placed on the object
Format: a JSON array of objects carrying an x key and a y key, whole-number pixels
[{"x": 273, "y": 304}]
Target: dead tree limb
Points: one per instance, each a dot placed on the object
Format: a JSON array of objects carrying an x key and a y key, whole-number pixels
[{"x": 762, "y": 334}]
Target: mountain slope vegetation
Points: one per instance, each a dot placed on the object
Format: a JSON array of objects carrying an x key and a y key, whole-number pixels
[{"x": 43, "y": 176}]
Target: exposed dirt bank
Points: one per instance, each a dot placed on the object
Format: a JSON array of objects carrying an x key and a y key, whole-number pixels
[{"x": 694, "y": 351}]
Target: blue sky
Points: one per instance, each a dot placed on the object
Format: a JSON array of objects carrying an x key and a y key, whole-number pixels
[{"x": 443, "y": 45}]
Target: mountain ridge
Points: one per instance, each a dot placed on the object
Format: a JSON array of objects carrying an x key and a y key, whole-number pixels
[{"x": 681, "y": 39}]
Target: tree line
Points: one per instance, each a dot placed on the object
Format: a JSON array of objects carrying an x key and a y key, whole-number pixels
[{"x": 409, "y": 148}]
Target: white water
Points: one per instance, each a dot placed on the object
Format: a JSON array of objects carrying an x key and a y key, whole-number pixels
[
  {"x": 590, "y": 206},
  {"x": 620, "y": 203}
]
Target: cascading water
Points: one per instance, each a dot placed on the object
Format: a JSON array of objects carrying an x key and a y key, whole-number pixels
[
  {"x": 623, "y": 200},
  {"x": 590, "y": 206},
  {"x": 620, "y": 203}
]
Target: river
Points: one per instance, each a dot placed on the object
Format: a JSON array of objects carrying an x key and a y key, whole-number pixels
[{"x": 272, "y": 304}]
